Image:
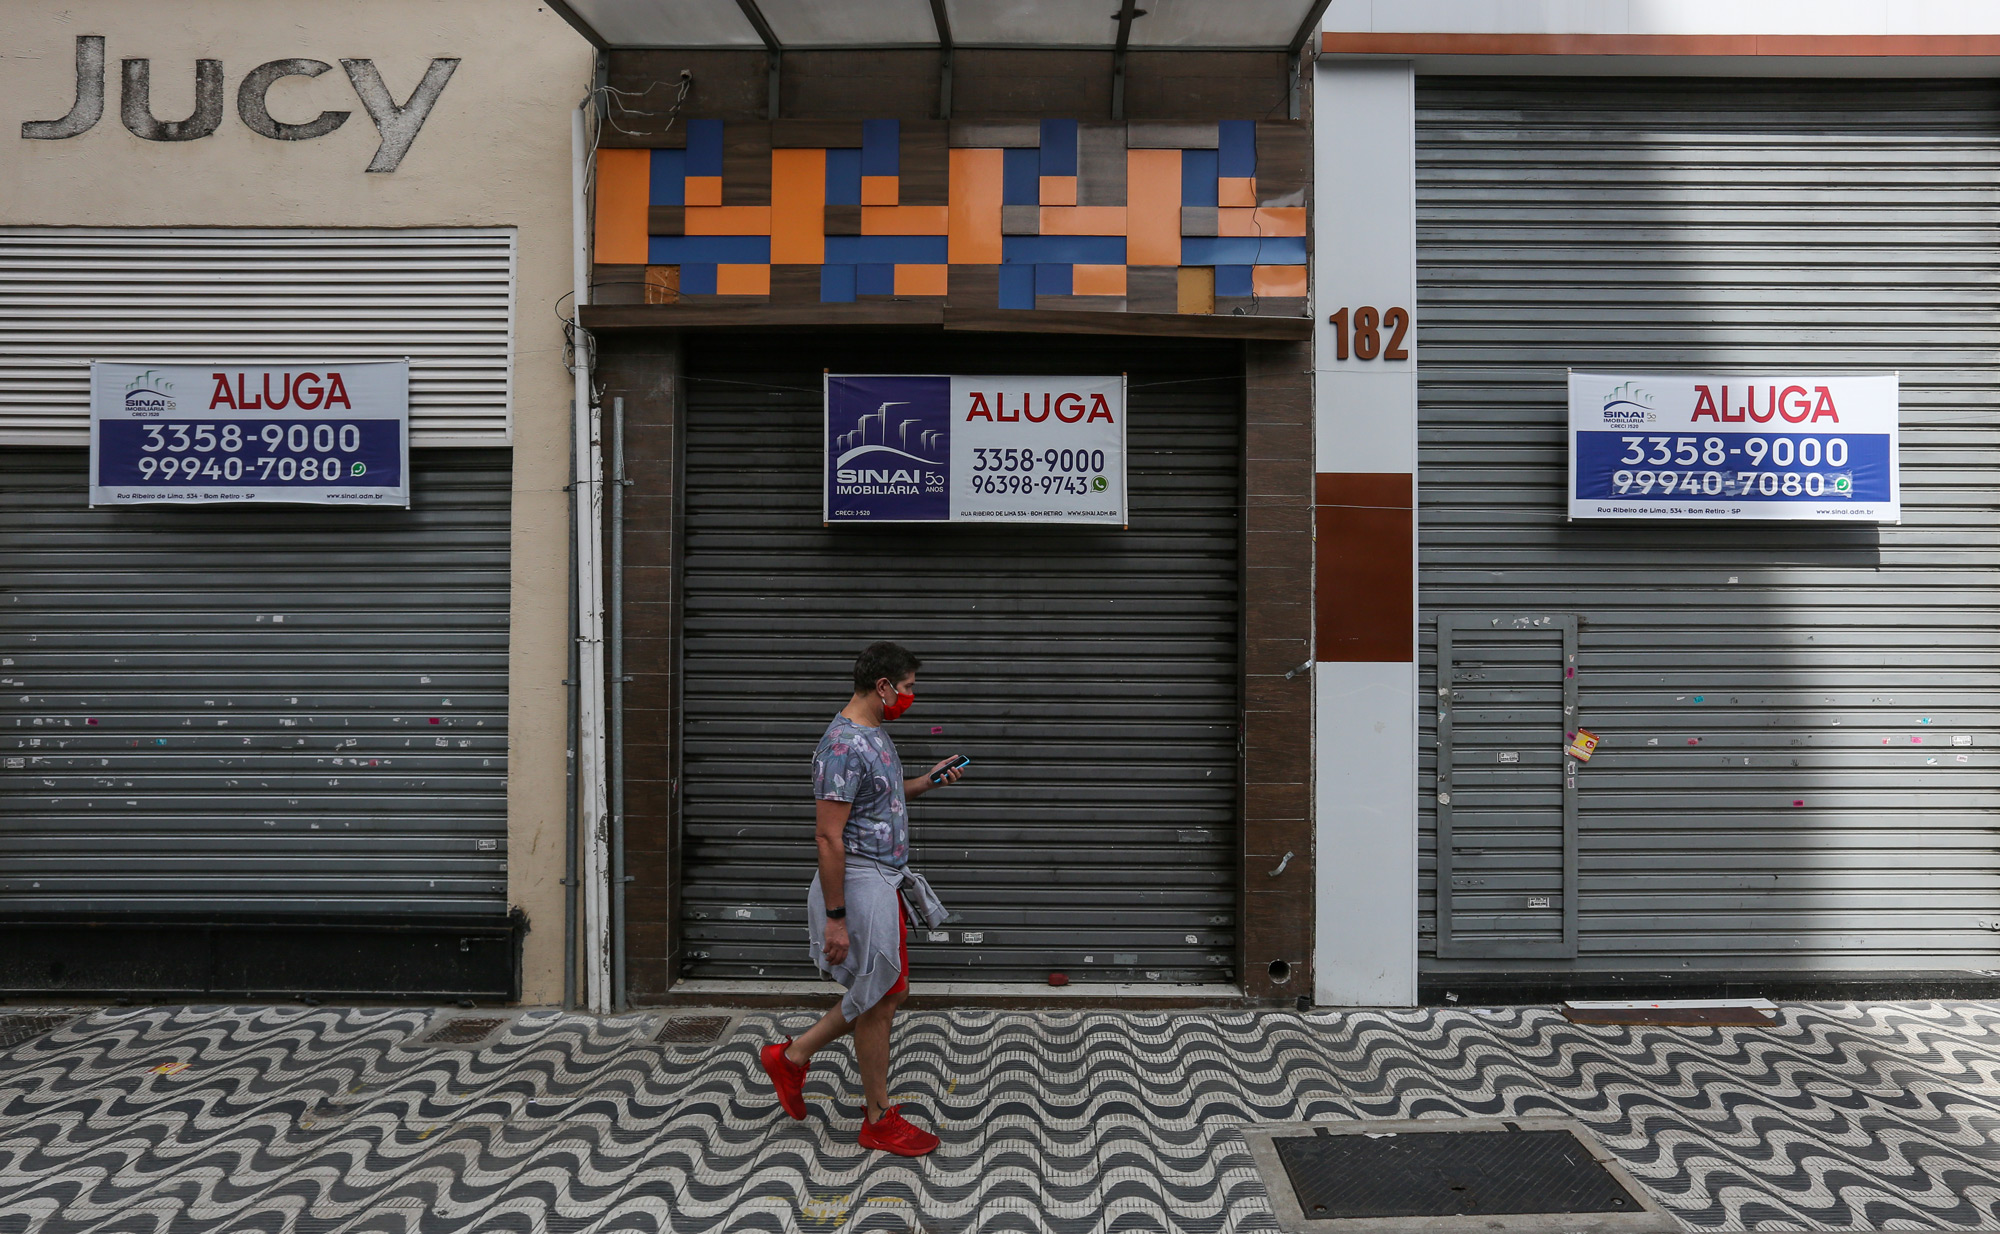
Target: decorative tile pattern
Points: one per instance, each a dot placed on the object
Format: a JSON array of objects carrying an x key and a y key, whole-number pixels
[
  {"x": 1059, "y": 221},
  {"x": 1838, "y": 1117}
]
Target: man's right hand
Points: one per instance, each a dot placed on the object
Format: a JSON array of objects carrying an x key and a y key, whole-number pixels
[{"x": 836, "y": 942}]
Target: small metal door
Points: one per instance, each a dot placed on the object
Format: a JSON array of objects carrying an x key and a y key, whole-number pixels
[{"x": 1506, "y": 789}]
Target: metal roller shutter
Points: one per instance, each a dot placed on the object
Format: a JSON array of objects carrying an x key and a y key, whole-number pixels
[
  {"x": 1797, "y": 769},
  {"x": 1091, "y": 675},
  {"x": 441, "y": 297},
  {"x": 270, "y": 711}
]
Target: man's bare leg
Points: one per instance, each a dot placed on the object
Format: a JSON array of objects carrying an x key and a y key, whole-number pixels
[
  {"x": 831, "y": 1027},
  {"x": 871, "y": 1052}
]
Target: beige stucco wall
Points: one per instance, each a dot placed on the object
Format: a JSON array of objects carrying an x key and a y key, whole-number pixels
[{"x": 494, "y": 152}]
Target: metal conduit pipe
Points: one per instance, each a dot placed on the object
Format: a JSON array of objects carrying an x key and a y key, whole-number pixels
[
  {"x": 617, "y": 718},
  {"x": 569, "y": 776}
]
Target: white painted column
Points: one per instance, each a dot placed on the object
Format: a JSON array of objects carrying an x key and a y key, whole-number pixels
[{"x": 1365, "y": 439}]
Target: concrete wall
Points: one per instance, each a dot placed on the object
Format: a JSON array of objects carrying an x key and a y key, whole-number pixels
[{"x": 493, "y": 152}]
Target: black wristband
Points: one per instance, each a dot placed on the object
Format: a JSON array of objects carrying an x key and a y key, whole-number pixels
[{"x": 837, "y": 914}]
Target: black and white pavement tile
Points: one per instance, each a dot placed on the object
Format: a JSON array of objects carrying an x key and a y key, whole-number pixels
[{"x": 281, "y": 1120}]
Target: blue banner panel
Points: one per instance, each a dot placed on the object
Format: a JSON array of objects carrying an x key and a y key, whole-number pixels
[
  {"x": 1668, "y": 468},
  {"x": 888, "y": 449},
  {"x": 251, "y": 454}
]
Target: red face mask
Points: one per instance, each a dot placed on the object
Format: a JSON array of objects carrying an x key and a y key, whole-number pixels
[{"x": 902, "y": 704}]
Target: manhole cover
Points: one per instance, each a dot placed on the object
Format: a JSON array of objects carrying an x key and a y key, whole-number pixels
[
  {"x": 1428, "y": 1174},
  {"x": 691, "y": 1029},
  {"x": 14, "y": 1029},
  {"x": 464, "y": 1031}
]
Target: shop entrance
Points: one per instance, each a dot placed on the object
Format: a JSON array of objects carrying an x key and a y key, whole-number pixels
[{"x": 1092, "y": 675}]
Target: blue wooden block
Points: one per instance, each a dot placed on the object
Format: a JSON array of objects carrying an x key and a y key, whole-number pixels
[
  {"x": 1017, "y": 286},
  {"x": 1055, "y": 280},
  {"x": 881, "y": 147},
  {"x": 890, "y": 250},
  {"x": 704, "y": 147},
  {"x": 1243, "y": 251},
  {"x": 1198, "y": 177},
  {"x": 1236, "y": 148},
  {"x": 843, "y": 177},
  {"x": 668, "y": 178},
  {"x": 1062, "y": 250},
  {"x": 698, "y": 279},
  {"x": 732, "y": 250},
  {"x": 1058, "y": 148},
  {"x": 836, "y": 284},
  {"x": 1021, "y": 177},
  {"x": 1232, "y": 281},
  {"x": 875, "y": 279}
]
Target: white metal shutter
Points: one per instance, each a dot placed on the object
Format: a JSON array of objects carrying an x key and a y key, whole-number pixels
[
  {"x": 1798, "y": 720},
  {"x": 443, "y": 297}
]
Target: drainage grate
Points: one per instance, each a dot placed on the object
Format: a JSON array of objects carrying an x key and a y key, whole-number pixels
[
  {"x": 14, "y": 1029},
  {"x": 464, "y": 1031},
  {"x": 1448, "y": 1174},
  {"x": 691, "y": 1029}
]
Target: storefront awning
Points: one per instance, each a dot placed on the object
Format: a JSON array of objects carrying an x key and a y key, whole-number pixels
[{"x": 1166, "y": 25}]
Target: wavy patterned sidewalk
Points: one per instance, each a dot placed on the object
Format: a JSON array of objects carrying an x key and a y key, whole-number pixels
[{"x": 1874, "y": 1116}]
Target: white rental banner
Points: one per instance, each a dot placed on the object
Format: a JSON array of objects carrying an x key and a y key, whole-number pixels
[
  {"x": 1789, "y": 446},
  {"x": 933, "y": 449},
  {"x": 325, "y": 434}
]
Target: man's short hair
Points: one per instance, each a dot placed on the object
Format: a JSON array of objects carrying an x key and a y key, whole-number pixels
[{"x": 891, "y": 660}]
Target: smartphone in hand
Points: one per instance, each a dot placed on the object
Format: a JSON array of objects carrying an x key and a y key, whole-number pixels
[{"x": 957, "y": 761}]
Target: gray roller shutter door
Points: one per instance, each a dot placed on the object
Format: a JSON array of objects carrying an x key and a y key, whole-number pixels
[
  {"x": 1091, "y": 674},
  {"x": 1798, "y": 721},
  {"x": 442, "y": 298},
  {"x": 275, "y": 711}
]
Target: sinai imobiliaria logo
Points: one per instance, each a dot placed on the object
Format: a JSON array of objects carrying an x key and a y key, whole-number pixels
[
  {"x": 1626, "y": 403},
  {"x": 149, "y": 392}
]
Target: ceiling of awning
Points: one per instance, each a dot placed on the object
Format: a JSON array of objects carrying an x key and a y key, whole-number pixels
[{"x": 803, "y": 24}]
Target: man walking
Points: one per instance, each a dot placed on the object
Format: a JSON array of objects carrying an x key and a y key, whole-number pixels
[{"x": 859, "y": 924}]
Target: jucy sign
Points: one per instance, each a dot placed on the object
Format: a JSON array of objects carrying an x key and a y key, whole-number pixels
[
  {"x": 1788, "y": 446},
  {"x": 326, "y": 434},
  {"x": 931, "y": 449}
]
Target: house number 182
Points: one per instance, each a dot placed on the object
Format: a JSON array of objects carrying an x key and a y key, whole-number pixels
[{"x": 1369, "y": 326}]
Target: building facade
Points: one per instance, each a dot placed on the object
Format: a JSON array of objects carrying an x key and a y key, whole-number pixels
[
  {"x": 1792, "y": 787},
  {"x": 886, "y": 189},
  {"x": 288, "y": 749}
]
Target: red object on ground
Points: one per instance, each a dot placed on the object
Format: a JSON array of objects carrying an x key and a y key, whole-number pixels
[
  {"x": 1058, "y": 978},
  {"x": 892, "y": 1134},
  {"x": 788, "y": 1077}
]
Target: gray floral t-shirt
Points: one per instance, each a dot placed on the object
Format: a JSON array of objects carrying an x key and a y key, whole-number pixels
[{"x": 859, "y": 765}]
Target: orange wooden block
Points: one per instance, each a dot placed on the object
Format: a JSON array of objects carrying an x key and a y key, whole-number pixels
[
  {"x": 1278, "y": 280},
  {"x": 798, "y": 207},
  {"x": 1153, "y": 207},
  {"x": 1058, "y": 190},
  {"x": 697, "y": 190},
  {"x": 728, "y": 221},
  {"x": 1098, "y": 280},
  {"x": 1196, "y": 290},
  {"x": 1083, "y": 220},
  {"x": 921, "y": 280},
  {"x": 975, "y": 193},
  {"x": 879, "y": 191},
  {"x": 905, "y": 220},
  {"x": 624, "y": 181},
  {"x": 1263, "y": 221},
  {"x": 743, "y": 280},
  {"x": 1236, "y": 191}
]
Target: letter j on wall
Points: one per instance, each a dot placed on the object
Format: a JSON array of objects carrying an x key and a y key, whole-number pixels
[{"x": 934, "y": 449}]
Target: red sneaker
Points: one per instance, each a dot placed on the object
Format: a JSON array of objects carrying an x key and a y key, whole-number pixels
[
  {"x": 788, "y": 1077},
  {"x": 893, "y": 1135}
]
